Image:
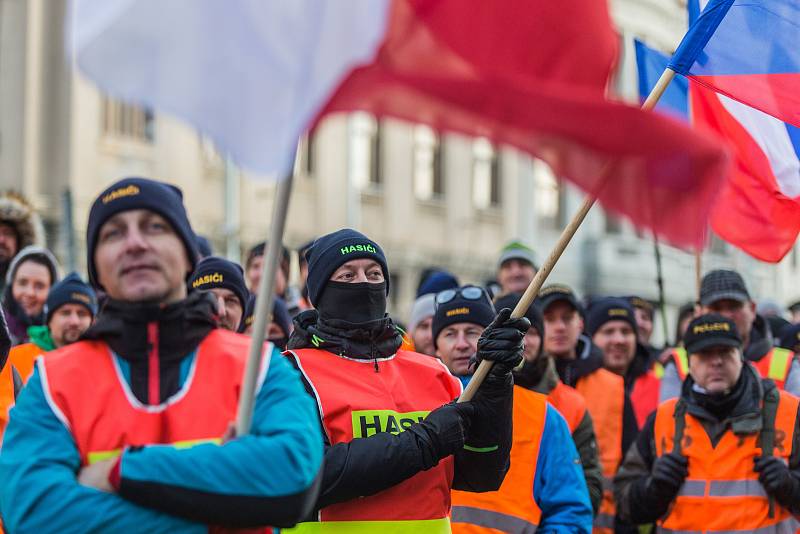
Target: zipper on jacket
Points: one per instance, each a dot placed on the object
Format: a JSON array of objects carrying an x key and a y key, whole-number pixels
[
  {"x": 374, "y": 358},
  {"x": 153, "y": 372}
]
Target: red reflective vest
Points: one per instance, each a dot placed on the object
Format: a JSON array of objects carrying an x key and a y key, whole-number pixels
[
  {"x": 604, "y": 393},
  {"x": 109, "y": 417},
  {"x": 357, "y": 399},
  {"x": 644, "y": 396},
  {"x": 512, "y": 507},
  {"x": 774, "y": 365},
  {"x": 722, "y": 491}
]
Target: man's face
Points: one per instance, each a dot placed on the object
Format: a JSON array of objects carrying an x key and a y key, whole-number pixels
[
  {"x": 716, "y": 369},
  {"x": 68, "y": 322},
  {"x": 617, "y": 341},
  {"x": 358, "y": 271},
  {"x": 514, "y": 276},
  {"x": 741, "y": 313},
  {"x": 423, "y": 337},
  {"x": 456, "y": 344},
  {"x": 253, "y": 275},
  {"x": 140, "y": 258},
  {"x": 30, "y": 286},
  {"x": 229, "y": 308},
  {"x": 644, "y": 322},
  {"x": 562, "y": 327},
  {"x": 8, "y": 243},
  {"x": 532, "y": 342}
]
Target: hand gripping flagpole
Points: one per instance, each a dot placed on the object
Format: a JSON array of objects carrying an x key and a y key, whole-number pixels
[
  {"x": 566, "y": 236},
  {"x": 264, "y": 301}
]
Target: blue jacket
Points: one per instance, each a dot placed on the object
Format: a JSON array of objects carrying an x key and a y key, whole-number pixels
[
  {"x": 262, "y": 475},
  {"x": 559, "y": 488}
]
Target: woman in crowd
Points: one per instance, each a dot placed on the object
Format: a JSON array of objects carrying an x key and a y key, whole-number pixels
[{"x": 30, "y": 275}]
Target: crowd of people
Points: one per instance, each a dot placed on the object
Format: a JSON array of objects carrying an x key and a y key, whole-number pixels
[{"x": 118, "y": 393}]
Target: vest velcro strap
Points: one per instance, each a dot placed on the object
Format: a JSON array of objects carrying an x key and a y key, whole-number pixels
[
  {"x": 787, "y": 526},
  {"x": 604, "y": 521},
  {"x": 491, "y": 519}
]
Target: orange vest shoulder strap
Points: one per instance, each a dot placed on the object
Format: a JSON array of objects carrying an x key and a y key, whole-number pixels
[
  {"x": 664, "y": 425},
  {"x": 569, "y": 403}
]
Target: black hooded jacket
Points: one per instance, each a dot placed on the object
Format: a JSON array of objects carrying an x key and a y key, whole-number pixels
[{"x": 366, "y": 466}]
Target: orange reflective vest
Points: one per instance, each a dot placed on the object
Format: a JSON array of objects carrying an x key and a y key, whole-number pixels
[
  {"x": 644, "y": 396},
  {"x": 512, "y": 507},
  {"x": 604, "y": 393},
  {"x": 722, "y": 491},
  {"x": 109, "y": 417},
  {"x": 23, "y": 357},
  {"x": 356, "y": 399},
  {"x": 774, "y": 365},
  {"x": 569, "y": 403}
]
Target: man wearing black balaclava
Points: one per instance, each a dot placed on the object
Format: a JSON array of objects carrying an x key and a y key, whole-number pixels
[{"x": 395, "y": 444}]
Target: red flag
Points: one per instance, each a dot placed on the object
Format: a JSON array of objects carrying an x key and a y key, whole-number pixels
[{"x": 533, "y": 74}]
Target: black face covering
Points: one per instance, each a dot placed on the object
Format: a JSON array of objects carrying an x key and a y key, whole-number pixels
[
  {"x": 354, "y": 303},
  {"x": 279, "y": 342}
]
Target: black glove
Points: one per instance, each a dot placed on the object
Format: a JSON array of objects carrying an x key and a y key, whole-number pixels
[
  {"x": 442, "y": 433},
  {"x": 668, "y": 473},
  {"x": 5, "y": 340},
  {"x": 501, "y": 342},
  {"x": 778, "y": 480}
]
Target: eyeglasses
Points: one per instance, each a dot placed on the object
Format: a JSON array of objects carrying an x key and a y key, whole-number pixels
[{"x": 466, "y": 292}]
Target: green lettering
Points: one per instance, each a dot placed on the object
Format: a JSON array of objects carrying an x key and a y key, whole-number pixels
[{"x": 369, "y": 422}]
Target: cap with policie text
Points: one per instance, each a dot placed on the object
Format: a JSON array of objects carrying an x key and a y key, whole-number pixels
[{"x": 711, "y": 330}]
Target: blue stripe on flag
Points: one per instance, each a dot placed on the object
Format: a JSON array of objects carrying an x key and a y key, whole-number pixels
[
  {"x": 794, "y": 137},
  {"x": 651, "y": 63}
]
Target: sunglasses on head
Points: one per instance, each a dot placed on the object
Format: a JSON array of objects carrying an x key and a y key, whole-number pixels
[{"x": 466, "y": 292}]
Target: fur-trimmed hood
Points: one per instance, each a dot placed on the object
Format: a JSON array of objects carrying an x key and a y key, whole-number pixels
[{"x": 17, "y": 212}]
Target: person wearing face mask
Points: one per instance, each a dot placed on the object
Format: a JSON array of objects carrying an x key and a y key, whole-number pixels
[
  {"x": 29, "y": 278},
  {"x": 225, "y": 280},
  {"x": 280, "y": 325},
  {"x": 722, "y": 457},
  {"x": 395, "y": 444},
  {"x": 538, "y": 373}
]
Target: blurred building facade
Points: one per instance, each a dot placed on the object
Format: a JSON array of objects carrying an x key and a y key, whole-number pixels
[{"x": 429, "y": 199}]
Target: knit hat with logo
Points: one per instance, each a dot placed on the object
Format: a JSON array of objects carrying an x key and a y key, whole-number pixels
[
  {"x": 215, "y": 272},
  {"x": 609, "y": 309},
  {"x": 461, "y": 310},
  {"x": 331, "y": 251},
  {"x": 70, "y": 290},
  {"x": 135, "y": 194}
]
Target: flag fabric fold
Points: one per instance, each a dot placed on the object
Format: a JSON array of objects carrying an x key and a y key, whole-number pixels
[{"x": 472, "y": 69}]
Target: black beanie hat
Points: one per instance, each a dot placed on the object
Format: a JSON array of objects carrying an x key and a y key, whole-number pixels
[
  {"x": 331, "y": 251},
  {"x": 214, "y": 271},
  {"x": 534, "y": 314},
  {"x": 608, "y": 309},
  {"x": 70, "y": 290},
  {"x": 461, "y": 310},
  {"x": 133, "y": 194}
]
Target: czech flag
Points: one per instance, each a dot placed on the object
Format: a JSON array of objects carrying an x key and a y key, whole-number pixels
[
  {"x": 254, "y": 75},
  {"x": 743, "y": 59}
]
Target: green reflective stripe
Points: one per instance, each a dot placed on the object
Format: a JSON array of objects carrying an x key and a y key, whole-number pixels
[
  {"x": 98, "y": 456},
  {"x": 603, "y": 521},
  {"x": 787, "y": 526},
  {"x": 693, "y": 488},
  {"x": 682, "y": 360},
  {"x": 481, "y": 449},
  {"x": 736, "y": 488},
  {"x": 424, "y": 526},
  {"x": 490, "y": 519},
  {"x": 778, "y": 364}
]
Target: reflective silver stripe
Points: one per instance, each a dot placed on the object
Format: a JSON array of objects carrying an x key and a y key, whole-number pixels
[
  {"x": 604, "y": 521},
  {"x": 490, "y": 519},
  {"x": 736, "y": 488},
  {"x": 693, "y": 488},
  {"x": 787, "y": 526},
  {"x": 608, "y": 484}
]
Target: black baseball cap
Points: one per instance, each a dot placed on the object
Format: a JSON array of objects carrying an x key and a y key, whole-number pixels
[
  {"x": 723, "y": 284},
  {"x": 711, "y": 330},
  {"x": 555, "y": 293}
]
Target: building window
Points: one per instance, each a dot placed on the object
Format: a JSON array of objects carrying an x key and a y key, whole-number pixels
[
  {"x": 365, "y": 151},
  {"x": 428, "y": 172},
  {"x": 120, "y": 119},
  {"x": 485, "y": 174},
  {"x": 549, "y": 197},
  {"x": 613, "y": 224}
]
